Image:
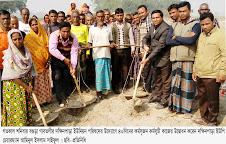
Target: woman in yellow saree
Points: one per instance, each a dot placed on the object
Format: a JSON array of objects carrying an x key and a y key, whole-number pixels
[{"x": 37, "y": 42}]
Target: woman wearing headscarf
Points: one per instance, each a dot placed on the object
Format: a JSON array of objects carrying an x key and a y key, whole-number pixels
[
  {"x": 84, "y": 9},
  {"x": 73, "y": 8},
  {"x": 17, "y": 76},
  {"x": 37, "y": 42}
]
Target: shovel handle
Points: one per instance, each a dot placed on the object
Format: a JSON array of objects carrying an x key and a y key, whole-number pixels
[
  {"x": 39, "y": 109},
  {"x": 139, "y": 74}
]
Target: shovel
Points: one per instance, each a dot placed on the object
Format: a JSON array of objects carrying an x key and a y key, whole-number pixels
[
  {"x": 39, "y": 109},
  {"x": 138, "y": 102}
]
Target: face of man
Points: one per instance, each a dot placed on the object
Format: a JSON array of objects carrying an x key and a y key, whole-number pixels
[
  {"x": 65, "y": 32},
  {"x": 203, "y": 9},
  {"x": 61, "y": 17},
  {"x": 25, "y": 15},
  {"x": 184, "y": 13},
  {"x": 119, "y": 17},
  {"x": 142, "y": 12},
  {"x": 174, "y": 14},
  {"x": 128, "y": 19},
  {"x": 156, "y": 19},
  {"x": 136, "y": 19},
  {"x": 68, "y": 20},
  {"x": 5, "y": 20},
  {"x": 53, "y": 18},
  {"x": 106, "y": 16},
  {"x": 14, "y": 24},
  {"x": 100, "y": 18},
  {"x": 89, "y": 20},
  {"x": 82, "y": 19},
  {"x": 207, "y": 25},
  {"x": 75, "y": 18}
]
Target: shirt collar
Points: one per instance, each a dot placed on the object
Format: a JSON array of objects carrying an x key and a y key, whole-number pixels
[
  {"x": 189, "y": 21},
  {"x": 95, "y": 25},
  {"x": 212, "y": 31}
]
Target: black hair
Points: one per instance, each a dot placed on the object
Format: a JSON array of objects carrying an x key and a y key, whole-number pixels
[
  {"x": 135, "y": 13},
  {"x": 157, "y": 11},
  {"x": 183, "y": 4},
  {"x": 172, "y": 6},
  {"x": 64, "y": 24},
  {"x": 35, "y": 16},
  {"x": 207, "y": 15},
  {"x": 82, "y": 14},
  {"x": 67, "y": 16},
  {"x": 99, "y": 11},
  {"x": 23, "y": 9},
  {"x": 106, "y": 10},
  {"x": 32, "y": 19},
  {"x": 144, "y": 6},
  {"x": 119, "y": 10},
  {"x": 61, "y": 12},
  {"x": 52, "y": 11},
  {"x": 4, "y": 12}
]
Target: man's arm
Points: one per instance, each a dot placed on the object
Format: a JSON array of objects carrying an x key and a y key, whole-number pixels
[
  {"x": 160, "y": 44},
  {"x": 222, "y": 48},
  {"x": 190, "y": 40},
  {"x": 53, "y": 42},
  {"x": 169, "y": 40}
]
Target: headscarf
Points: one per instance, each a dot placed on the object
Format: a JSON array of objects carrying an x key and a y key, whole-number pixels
[
  {"x": 38, "y": 45},
  {"x": 80, "y": 11},
  {"x": 69, "y": 12},
  {"x": 15, "y": 64}
]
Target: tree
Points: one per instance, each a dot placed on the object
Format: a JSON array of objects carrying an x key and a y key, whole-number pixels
[
  {"x": 130, "y": 6},
  {"x": 12, "y": 6}
]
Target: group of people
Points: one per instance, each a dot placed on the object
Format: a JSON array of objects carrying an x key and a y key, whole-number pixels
[{"x": 186, "y": 56}]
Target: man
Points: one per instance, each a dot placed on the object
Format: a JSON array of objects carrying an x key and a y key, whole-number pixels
[
  {"x": 204, "y": 8},
  {"x": 160, "y": 54},
  {"x": 68, "y": 18},
  {"x": 63, "y": 46},
  {"x": 173, "y": 12},
  {"x": 82, "y": 19},
  {"x": 53, "y": 25},
  {"x": 89, "y": 20},
  {"x": 101, "y": 34},
  {"x": 14, "y": 23},
  {"x": 134, "y": 35},
  {"x": 107, "y": 15},
  {"x": 60, "y": 16},
  {"x": 145, "y": 25},
  {"x": 209, "y": 70},
  {"x": 120, "y": 57},
  {"x": 182, "y": 37},
  {"x": 23, "y": 25},
  {"x": 4, "y": 29},
  {"x": 129, "y": 18},
  {"x": 81, "y": 32}
]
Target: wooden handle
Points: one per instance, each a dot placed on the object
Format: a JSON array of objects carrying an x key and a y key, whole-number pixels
[
  {"x": 39, "y": 109},
  {"x": 139, "y": 74},
  {"x": 78, "y": 88},
  {"x": 103, "y": 46}
]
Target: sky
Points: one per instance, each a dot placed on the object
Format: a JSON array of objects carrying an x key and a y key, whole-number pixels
[{"x": 40, "y": 7}]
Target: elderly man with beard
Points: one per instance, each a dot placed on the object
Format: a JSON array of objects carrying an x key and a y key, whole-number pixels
[
  {"x": 107, "y": 15},
  {"x": 101, "y": 34},
  {"x": 4, "y": 29}
]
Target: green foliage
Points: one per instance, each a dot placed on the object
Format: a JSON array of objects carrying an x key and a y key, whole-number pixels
[
  {"x": 130, "y": 6},
  {"x": 12, "y": 6}
]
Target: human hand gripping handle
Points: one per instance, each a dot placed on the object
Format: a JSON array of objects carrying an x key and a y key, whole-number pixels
[{"x": 194, "y": 76}]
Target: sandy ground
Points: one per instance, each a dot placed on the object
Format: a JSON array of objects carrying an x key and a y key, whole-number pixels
[{"x": 116, "y": 110}]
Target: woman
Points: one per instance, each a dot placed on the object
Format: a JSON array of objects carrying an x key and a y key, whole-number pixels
[
  {"x": 17, "y": 82},
  {"x": 84, "y": 8},
  {"x": 37, "y": 43},
  {"x": 73, "y": 8}
]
